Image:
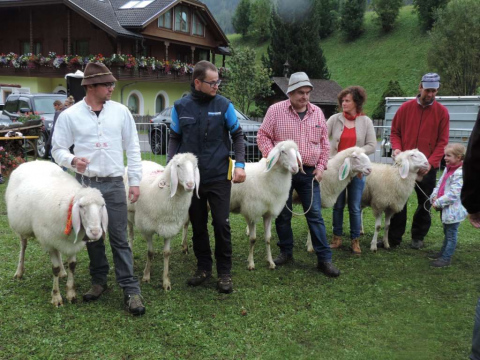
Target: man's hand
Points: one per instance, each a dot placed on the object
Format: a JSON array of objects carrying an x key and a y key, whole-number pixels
[
  {"x": 475, "y": 219},
  {"x": 396, "y": 152},
  {"x": 318, "y": 174},
  {"x": 424, "y": 172},
  {"x": 133, "y": 193},
  {"x": 80, "y": 163},
  {"x": 239, "y": 175}
]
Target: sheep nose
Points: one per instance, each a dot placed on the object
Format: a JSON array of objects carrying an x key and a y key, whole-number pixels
[
  {"x": 95, "y": 232},
  {"x": 368, "y": 171},
  {"x": 294, "y": 169},
  {"x": 190, "y": 185}
]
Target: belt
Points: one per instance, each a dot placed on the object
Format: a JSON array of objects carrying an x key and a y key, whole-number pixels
[{"x": 99, "y": 178}]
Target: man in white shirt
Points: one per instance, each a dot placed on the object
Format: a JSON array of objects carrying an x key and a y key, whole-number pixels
[{"x": 101, "y": 129}]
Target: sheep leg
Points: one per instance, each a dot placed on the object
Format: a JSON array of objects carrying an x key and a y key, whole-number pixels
[
  {"x": 63, "y": 272},
  {"x": 150, "y": 255},
  {"x": 252, "y": 236},
  {"x": 185, "y": 237},
  {"x": 21, "y": 259},
  {"x": 71, "y": 294},
  {"x": 166, "y": 259},
  {"x": 309, "y": 243},
  {"x": 56, "y": 266},
  {"x": 267, "y": 227},
  {"x": 378, "y": 224},
  {"x": 386, "y": 244}
]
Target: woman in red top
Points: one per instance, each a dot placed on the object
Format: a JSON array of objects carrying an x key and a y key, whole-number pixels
[{"x": 347, "y": 129}]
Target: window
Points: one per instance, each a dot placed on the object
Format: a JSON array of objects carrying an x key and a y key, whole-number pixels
[
  {"x": 203, "y": 55},
  {"x": 181, "y": 19},
  {"x": 198, "y": 26},
  {"x": 133, "y": 103},
  {"x": 79, "y": 47},
  {"x": 159, "y": 103},
  {"x": 138, "y": 4},
  {"x": 165, "y": 21},
  {"x": 37, "y": 47}
]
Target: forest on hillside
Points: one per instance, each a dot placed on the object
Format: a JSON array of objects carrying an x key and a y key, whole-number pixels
[{"x": 223, "y": 11}]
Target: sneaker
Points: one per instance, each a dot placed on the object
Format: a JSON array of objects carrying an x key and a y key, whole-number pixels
[
  {"x": 283, "y": 259},
  {"x": 2, "y": 180},
  {"x": 225, "y": 284},
  {"x": 380, "y": 244},
  {"x": 94, "y": 293},
  {"x": 199, "y": 277},
  {"x": 435, "y": 256},
  {"x": 439, "y": 263},
  {"x": 328, "y": 269},
  {"x": 416, "y": 244},
  {"x": 134, "y": 304}
]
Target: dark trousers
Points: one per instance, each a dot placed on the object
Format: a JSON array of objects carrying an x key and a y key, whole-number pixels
[
  {"x": 218, "y": 196},
  {"x": 302, "y": 183},
  {"x": 421, "y": 219}
]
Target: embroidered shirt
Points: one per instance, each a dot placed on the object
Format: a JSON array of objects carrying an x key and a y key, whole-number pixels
[
  {"x": 102, "y": 140},
  {"x": 282, "y": 123}
]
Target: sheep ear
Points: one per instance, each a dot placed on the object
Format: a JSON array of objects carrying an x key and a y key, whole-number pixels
[
  {"x": 300, "y": 162},
  {"x": 173, "y": 179},
  {"x": 272, "y": 159},
  {"x": 104, "y": 221},
  {"x": 197, "y": 180},
  {"x": 76, "y": 220},
  {"x": 404, "y": 168},
  {"x": 344, "y": 169}
]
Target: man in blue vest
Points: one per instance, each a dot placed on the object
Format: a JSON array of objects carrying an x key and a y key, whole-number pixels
[{"x": 201, "y": 124}]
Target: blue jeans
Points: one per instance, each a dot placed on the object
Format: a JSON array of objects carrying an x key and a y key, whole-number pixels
[
  {"x": 450, "y": 241},
  {"x": 355, "y": 190},
  {"x": 302, "y": 183},
  {"x": 475, "y": 355},
  {"x": 116, "y": 202}
]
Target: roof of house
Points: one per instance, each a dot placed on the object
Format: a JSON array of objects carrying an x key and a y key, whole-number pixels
[
  {"x": 324, "y": 91},
  {"x": 108, "y": 15}
]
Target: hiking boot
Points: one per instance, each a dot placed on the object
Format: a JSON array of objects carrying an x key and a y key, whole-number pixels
[
  {"x": 435, "y": 256},
  {"x": 94, "y": 293},
  {"x": 283, "y": 259},
  {"x": 336, "y": 242},
  {"x": 225, "y": 284},
  {"x": 439, "y": 263},
  {"x": 134, "y": 304},
  {"x": 328, "y": 269},
  {"x": 416, "y": 244},
  {"x": 199, "y": 277},
  {"x": 355, "y": 247}
]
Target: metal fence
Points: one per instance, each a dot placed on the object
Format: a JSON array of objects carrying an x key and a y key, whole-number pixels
[{"x": 154, "y": 143}]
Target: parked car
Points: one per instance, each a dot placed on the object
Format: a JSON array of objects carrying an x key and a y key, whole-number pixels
[
  {"x": 42, "y": 104},
  {"x": 160, "y": 128}
]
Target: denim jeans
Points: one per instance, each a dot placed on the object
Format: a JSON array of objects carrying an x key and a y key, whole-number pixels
[
  {"x": 302, "y": 183},
  {"x": 354, "y": 190},
  {"x": 116, "y": 201},
  {"x": 450, "y": 241},
  {"x": 475, "y": 354}
]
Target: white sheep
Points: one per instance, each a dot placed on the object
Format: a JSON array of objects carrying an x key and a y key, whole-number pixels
[
  {"x": 265, "y": 192},
  {"x": 341, "y": 169},
  {"x": 388, "y": 188},
  {"x": 163, "y": 205},
  {"x": 40, "y": 198}
]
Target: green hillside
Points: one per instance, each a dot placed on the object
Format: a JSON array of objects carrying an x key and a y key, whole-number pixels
[{"x": 374, "y": 59}]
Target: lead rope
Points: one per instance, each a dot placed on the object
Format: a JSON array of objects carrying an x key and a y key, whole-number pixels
[
  {"x": 82, "y": 178},
  {"x": 311, "y": 203},
  {"x": 428, "y": 200}
]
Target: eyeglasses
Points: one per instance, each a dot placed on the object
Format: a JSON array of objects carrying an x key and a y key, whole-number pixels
[
  {"x": 212, "y": 83},
  {"x": 108, "y": 85}
]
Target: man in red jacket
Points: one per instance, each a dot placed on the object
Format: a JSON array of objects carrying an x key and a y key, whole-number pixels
[{"x": 423, "y": 124}]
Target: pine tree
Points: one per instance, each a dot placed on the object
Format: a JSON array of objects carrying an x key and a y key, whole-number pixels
[
  {"x": 393, "y": 90},
  {"x": 426, "y": 10},
  {"x": 352, "y": 16},
  {"x": 387, "y": 12},
  {"x": 327, "y": 16},
  {"x": 241, "y": 18},
  {"x": 296, "y": 41},
  {"x": 260, "y": 27}
]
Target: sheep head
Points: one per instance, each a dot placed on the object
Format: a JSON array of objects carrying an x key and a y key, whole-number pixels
[
  {"x": 356, "y": 163},
  {"x": 89, "y": 211},
  {"x": 411, "y": 161},
  {"x": 184, "y": 171},
  {"x": 287, "y": 155}
]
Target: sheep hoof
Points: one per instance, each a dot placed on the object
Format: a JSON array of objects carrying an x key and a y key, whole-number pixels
[
  {"x": 251, "y": 267},
  {"x": 62, "y": 274},
  {"x": 167, "y": 286},
  {"x": 310, "y": 250},
  {"x": 17, "y": 276},
  {"x": 272, "y": 266},
  {"x": 374, "y": 249},
  {"x": 57, "y": 300},
  {"x": 73, "y": 300},
  {"x": 146, "y": 279},
  {"x": 185, "y": 251}
]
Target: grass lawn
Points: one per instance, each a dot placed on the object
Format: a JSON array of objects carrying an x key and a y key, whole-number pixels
[{"x": 388, "y": 305}]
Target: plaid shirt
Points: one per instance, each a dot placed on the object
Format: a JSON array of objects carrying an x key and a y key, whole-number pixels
[{"x": 283, "y": 123}]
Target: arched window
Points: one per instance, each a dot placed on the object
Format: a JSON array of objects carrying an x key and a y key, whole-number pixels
[
  {"x": 159, "y": 103},
  {"x": 133, "y": 102}
]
